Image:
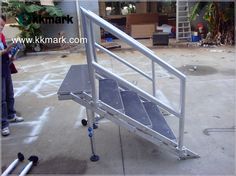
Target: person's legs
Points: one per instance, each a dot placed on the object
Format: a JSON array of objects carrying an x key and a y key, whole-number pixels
[
  {"x": 12, "y": 117},
  {"x": 10, "y": 97},
  {"x": 5, "y": 124}
]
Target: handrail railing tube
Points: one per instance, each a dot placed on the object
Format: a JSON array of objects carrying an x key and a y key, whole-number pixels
[
  {"x": 154, "y": 79},
  {"x": 123, "y": 61},
  {"x": 143, "y": 49},
  {"x": 100, "y": 70},
  {"x": 93, "y": 41}
]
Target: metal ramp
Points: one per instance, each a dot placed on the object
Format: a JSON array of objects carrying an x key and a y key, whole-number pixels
[
  {"x": 108, "y": 95},
  {"x": 183, "y": 27}
]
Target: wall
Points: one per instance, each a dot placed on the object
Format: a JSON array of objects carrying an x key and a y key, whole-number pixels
[
  {"x": 93, "y": 6},
  {"x": 71, "y": 30}
]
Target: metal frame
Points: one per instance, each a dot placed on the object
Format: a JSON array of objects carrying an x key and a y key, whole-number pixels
[{"x": 95, "y": 106}]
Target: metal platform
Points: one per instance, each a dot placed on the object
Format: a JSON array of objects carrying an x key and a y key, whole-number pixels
[{"x": 76, "y": 81}]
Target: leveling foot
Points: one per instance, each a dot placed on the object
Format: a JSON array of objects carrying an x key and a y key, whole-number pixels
[{"x": 94, "y": 158}]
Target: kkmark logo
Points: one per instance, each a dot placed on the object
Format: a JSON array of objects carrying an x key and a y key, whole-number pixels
[{"x": 52, "y": 20}]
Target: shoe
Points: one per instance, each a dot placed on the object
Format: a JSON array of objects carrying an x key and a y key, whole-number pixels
[
  {"x": 16, "y": 119},
  {"x": 5, "y": 131}
]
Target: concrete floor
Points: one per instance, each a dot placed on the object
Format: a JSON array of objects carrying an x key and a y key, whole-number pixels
[{"x": 52, "y": 128}]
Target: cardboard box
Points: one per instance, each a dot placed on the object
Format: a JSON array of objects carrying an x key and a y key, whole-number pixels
[{"x": 142, "y": 30}]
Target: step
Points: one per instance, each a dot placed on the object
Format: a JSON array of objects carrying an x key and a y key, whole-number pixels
[
  {"x": 109, "y": 93},
  {"x": 159, "y": 123},
  {"x": 134, "y": 108},
  {"x": 76, "y": 81}
]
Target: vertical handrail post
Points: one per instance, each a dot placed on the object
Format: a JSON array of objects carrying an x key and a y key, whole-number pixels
[
  {"x": 153, "y": 79},
  {"x": 93, "y": 40},
  {"x": 90, "y": 57},
  {"x": 182, "y": 111}
]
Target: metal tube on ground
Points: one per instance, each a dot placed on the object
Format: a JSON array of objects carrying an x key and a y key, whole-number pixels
[
  {"x": 33, "y": 162},
  {"x": 20, "y": 157}
]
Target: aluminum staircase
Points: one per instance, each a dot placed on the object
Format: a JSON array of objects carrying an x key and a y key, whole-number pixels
[
  {"x": 108, "y": 95},
  {"x": 183, "y": 27}
]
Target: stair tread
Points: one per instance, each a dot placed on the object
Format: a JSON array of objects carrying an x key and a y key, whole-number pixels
[
  {"x": 159, "y": 123},
  {"x": 109, "y": 93},
  {"x": 134, "y": 108},
  {"x": 76, "y": 80}
]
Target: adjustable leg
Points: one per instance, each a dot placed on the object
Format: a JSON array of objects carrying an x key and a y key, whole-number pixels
[
  {"x": 90, "y": 116},
  {"x": 95, "y": 126}
]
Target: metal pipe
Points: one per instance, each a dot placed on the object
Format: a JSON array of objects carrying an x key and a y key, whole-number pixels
[
  {"x": 20, "y": 157},
  {"x": 92, "y": 53},
  {"x": 78, "y": 18},
  {"x": 123, "y": 61},
  {"x": 182, "y": 112},
  {"x": 153, "y": 79},
  {"x": 100, "y": 70},
  {"x": 26, "y": 169},
  {"x": 33, "y": 162},
  {"x": 93, "y": 41},
  {"x": 129, "y": 40}
]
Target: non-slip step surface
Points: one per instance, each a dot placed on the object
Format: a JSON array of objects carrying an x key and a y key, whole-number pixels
[
  {"x": 159, "y": 123},
  {"x": 76, "y": 80},
  {"x": 134, "y": 108},
  {"x": 109, "y": 93}
]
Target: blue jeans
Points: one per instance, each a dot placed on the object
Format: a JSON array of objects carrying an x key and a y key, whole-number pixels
[{"x": 8, "y": 100}]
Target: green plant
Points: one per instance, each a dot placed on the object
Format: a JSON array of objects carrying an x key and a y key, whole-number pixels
[
  {"x": 24, "y": 12},
  {"x": 220, "y": 18}
]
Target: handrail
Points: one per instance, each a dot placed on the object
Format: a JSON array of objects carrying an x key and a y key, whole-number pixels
[
  {"x": 123, "y": 61},
  {"x": 143, "y": 49}
]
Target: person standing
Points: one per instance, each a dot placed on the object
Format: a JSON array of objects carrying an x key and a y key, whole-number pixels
[{"x": 8, "y": 111}]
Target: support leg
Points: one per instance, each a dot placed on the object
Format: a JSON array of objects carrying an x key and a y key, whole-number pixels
[
  {"x": 95, "y": 126},
  {"x": 90, "y": 116}
]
